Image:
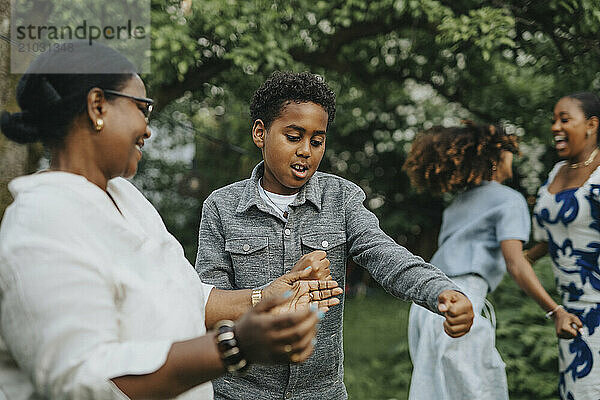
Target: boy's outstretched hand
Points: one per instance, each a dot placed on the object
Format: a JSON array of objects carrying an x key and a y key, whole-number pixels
[{"x": 458, "y": 311}]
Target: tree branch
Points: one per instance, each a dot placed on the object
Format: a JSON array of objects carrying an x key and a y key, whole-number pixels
[{"x": 195, "y": 78}]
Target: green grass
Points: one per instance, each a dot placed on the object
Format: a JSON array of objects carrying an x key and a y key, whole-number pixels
[{"x": 377, "y": 364}]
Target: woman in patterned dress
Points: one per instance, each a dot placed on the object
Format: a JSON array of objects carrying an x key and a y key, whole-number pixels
[{"x": 567, "y": 224}]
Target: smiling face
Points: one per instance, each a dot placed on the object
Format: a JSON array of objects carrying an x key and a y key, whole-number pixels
[
  {"x": 121, "y": 141},
  {"x": 570, "y": 128},
  {"x": 292, "y": 147}
]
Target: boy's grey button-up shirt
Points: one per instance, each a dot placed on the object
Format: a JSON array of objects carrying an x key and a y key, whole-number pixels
[{"x": 244, "y": 244}]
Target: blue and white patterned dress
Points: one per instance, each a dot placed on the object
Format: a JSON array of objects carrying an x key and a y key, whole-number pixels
[{"x": 570, "y": 222}]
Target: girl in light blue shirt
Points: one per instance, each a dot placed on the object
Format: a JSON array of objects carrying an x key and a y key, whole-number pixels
[{"x": 482, "y": 236}]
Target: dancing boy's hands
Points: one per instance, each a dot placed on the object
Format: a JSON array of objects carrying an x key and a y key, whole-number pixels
[
  {"x": 319, "y": 263},
  {"x": 458, "y": 310}
]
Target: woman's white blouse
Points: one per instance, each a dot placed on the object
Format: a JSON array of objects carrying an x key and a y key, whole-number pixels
[{"x": 87, "y": 293}]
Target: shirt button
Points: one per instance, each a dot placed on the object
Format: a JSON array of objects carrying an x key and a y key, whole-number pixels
[
  {"x": 287, "y": 232},
  {"x": 288, "y": 395},
  {"x": 325, "y": 243},
  {"x": 246, "y": 247}
]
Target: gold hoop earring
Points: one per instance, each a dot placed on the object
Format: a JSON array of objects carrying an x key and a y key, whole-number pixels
[
  {"x": 494, "y": 167},
  {"x": 99, "y": 124}
]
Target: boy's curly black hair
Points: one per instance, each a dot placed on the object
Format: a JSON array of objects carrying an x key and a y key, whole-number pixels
[
  {"x": 284, "y": 87},
  {"x": 451, "y": 159}
]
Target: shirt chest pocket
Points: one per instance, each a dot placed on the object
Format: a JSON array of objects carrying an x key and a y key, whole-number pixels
[
  {"x": 250, "y": 259},
  {"x": 334, "y": 243}
]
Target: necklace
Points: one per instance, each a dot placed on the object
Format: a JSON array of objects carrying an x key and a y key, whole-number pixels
[
  {"x": 285, "y": 213},
  {"x": 586, "y": 162}
]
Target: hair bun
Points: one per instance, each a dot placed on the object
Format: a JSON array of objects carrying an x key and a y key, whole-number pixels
[
  {"x": 34, "y": 90},
  {"x": 19, "y": 127}
]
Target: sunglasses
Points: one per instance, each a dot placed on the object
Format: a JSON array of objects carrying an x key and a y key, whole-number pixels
[{"x": 148, "y": 103}]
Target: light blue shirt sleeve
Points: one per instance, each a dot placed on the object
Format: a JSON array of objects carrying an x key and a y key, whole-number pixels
[
  {"x": 514, "y": 222},
  {"x": 473, "y": 227}
]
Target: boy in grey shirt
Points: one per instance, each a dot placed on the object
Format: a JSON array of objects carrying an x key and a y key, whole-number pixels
[{"x": 254, "y": 230}]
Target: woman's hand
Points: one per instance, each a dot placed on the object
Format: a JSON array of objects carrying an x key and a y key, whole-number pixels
[
  {"x": 267, "y": 338},
  {"x": 307, "y": 293},
  {"x": 518, "y": 264},
  {"x": 319, "y": 263},
  {"x": 458, "y": 310},
  {"x": 303, "y": 292},
  {"x": 567, "y": 325}
]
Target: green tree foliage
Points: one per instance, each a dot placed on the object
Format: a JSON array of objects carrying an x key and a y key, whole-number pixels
[{"x": 397, "y": 66}]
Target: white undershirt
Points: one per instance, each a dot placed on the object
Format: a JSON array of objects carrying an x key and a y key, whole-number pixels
[{"x": 278, "y": 202}]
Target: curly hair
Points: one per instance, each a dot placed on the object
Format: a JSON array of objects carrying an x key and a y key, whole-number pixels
[
  {"x": 281, "y": 88},
  {"x": 452, "y": 159}
]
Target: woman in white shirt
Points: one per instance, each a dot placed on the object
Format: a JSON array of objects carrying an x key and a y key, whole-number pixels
[{"x": 97, "y": 300}]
